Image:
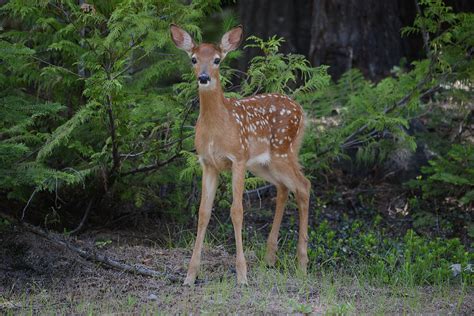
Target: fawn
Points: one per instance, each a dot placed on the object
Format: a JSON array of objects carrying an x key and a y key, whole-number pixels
[{"x": 261, "y": 133}]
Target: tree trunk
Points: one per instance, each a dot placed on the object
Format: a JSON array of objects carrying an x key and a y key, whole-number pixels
[
  {"x": 349, "y": 34},
  {"x": 343, "y": 34},
  {"x": 265, "y": 18}
]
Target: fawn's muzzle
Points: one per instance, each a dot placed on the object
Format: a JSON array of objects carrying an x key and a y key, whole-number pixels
[{"x": 204, "y": 78}]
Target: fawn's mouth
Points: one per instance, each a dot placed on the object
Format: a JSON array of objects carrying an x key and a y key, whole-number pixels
[{"x": 208, "y": 85}]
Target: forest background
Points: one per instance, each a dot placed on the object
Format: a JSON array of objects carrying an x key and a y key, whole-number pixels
[{"x": 97, "y": 109}]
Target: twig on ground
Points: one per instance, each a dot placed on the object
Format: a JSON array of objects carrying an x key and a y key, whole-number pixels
[
  {"x": 84, "y": 218},
  {"x": 91, "y": 255},
  {"x": 259, "y": 189},
  {"x": 23, "y": 213}
]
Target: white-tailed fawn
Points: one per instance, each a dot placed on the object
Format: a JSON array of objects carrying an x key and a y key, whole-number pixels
[{"x": 262, "y": 134}]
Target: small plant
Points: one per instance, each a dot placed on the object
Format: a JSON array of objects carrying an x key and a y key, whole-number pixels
[
  {"x": 298, "y": 307},
  {"x": 450, "y": 177},
  {"x": 4, "y": 224},
  {"x": 341, "y": 309},
  {"x": 131, "y": 301},
  {"x": 102, "y": 243}
]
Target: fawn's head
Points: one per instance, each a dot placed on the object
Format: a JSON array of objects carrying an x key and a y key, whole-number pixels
[{"x": 205, "y": 57}]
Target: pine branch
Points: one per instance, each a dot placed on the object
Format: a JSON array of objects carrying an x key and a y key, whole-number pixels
[
  {"x": 78, "y": 30},
  {"x": 56, "y": 66},
  {"x": 424, "y": 33},
  {"x": 403, "y": 101},
  {"x": 47, "y": 62},
  {"x": 124, "y": 70},
  {"x": 113, "y": 135},
  {"x": 151, "y": 167},
  {"x": 350, "y": 142}
]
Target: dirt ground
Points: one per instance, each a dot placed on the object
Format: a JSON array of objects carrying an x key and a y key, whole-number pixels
[{"x": 38, "y": 277}]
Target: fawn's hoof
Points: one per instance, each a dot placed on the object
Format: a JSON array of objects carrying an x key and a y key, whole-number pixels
[
  {"x": 242, "y": 282},
  {"x": 189, "y": 281},
  {"x": 242, "y": 278},
  {"x": 303, "y": 269},
  {"x": 270, "y": 260}
]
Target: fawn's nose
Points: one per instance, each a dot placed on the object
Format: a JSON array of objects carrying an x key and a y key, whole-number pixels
[{"x": 204, "y": 78}]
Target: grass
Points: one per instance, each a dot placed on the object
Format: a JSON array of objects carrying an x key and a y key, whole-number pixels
[
  {"x": 279, "y": 290},
  {"x": 373, "y": 277}
]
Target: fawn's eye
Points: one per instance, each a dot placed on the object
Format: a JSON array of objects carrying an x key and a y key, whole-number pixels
[
  {"x": 217, "y": 61},
  {"x": 194, "y": 60}
]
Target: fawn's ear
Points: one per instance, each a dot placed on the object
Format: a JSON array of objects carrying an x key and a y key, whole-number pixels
[
  {"x": 231, "y": 40},
  {"x": 182, "y": 39}
]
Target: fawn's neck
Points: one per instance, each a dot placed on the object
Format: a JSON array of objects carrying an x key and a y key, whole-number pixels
[{"x": 211, "y": 103}]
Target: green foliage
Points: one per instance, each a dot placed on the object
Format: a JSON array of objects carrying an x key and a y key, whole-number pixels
[
  {"x": 89, "y": 103},
  {"x": 449, "y": 36},
  {"x": 275, "y": 72},
  {"x": 354, "y": 104},
  {"x": 434, "y": 14},
  {"x": 411, "y": 260},
  {"x": 449, "y": 177},
  {"x": 192, "y": 167},
  {"x": 372, "y": 118},
  {"x": 102, "y": 243},
  {"x": 4, "y": 224},
  {"x": 86, "y": 94}
]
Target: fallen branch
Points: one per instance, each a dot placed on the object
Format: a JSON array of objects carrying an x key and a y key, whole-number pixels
[{"x": 90, "y": 255}]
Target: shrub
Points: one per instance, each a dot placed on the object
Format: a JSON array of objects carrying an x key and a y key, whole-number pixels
[
  {"x": 450, "y": 178},
  {"x": 409, "y": 260}
]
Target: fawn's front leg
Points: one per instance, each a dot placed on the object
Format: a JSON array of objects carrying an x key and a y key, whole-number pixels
[
  {"x": 209, "y": 185},
  {"x": 237, "y": 215}
]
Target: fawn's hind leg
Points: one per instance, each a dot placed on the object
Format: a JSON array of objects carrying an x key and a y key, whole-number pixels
[
  {"x": 288, "y": 172},
  {"x": 302, "y": 198},
  {"x": 272, "y": 242}
]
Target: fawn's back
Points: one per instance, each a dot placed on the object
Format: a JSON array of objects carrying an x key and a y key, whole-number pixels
[{"x": 269, "y": 123}]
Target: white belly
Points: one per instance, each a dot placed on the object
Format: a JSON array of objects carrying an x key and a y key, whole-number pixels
[{"x": 259, "y": 160}]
